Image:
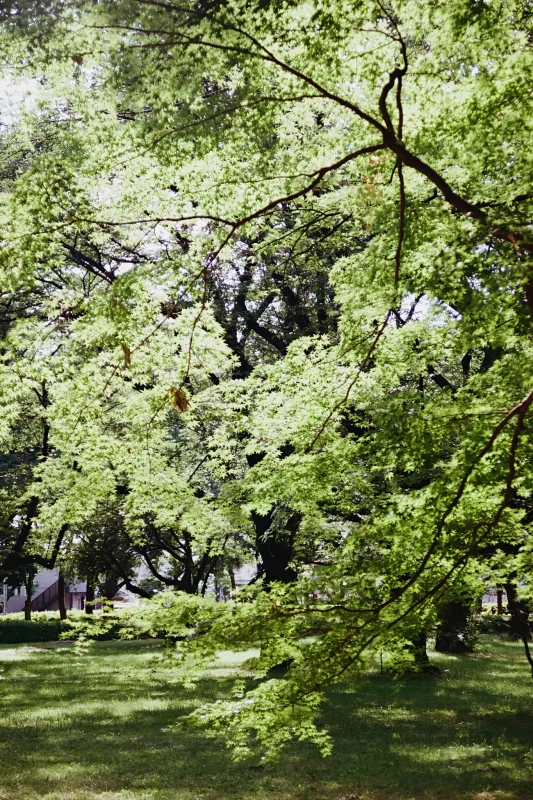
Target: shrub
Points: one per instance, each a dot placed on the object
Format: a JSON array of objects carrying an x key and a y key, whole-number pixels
[
  {"x": 14, "y": 629},
  {"x": 45, "y": 626},
  {"x": 494, "y": 623}
]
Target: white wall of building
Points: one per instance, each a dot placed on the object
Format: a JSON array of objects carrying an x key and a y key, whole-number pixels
[{"x": 42, "y": 581}]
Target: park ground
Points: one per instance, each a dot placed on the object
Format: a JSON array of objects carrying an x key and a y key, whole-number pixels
[{"x": 102, "y": 726}]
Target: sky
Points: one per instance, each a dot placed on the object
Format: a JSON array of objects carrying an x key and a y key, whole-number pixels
[{"x": 14, "y": 96}]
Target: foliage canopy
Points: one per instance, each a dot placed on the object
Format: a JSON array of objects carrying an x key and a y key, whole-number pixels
[{"x": 267, "y": 287}]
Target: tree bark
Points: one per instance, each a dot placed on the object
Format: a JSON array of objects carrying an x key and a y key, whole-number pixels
[
  {"x": 110, "y": 587},
  {"x": 519, "y": 611},
  {"x": 452, "y": 630},
  {"x": 275, "y": 547},
  {"x": 61, "y": 596},
  {"x": 89, "y": 595},
  {"x": 28, "y": 583},
  {"x": 499, "y": 600},
  {"x": 418, "y": 648}
]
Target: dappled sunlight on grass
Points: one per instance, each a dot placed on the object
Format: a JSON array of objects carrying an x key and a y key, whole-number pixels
[
  {"x": 13, "y": 654},
  {"x": 105, "y": 726},
  {"x": 470, "y": 754},
  {"x": 59, "y": 712}
]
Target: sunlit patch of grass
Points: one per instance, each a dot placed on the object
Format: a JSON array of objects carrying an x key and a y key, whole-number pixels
[
  {"x": 60, "y": 712},
  {"x": 100, "y": 724}
]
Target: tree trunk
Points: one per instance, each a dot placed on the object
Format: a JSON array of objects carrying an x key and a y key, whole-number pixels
[
  {"x": 274, "y": 537},
  {"x": 89, "y": 595},
  {"x": 519, "y": 611},
  {"x": 28, "y": 583},
  {"x": 499, "y": 600},
  {"x": 275, "y": 547},
  {"x": 418, "y": 648},
  {"x": 110, "y": 588},
  {"x": 452, "y": 631},
  {"x": 61, "y": 596}
]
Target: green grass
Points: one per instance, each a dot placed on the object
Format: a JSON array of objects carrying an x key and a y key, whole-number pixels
[{"x": 100, "y": 727}]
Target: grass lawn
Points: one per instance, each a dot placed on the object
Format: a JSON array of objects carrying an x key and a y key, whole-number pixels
[{"x": 99, "y": 727}]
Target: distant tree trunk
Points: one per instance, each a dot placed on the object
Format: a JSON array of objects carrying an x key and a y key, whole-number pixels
[
  {"x": 499, "y": 600},
  {"x": 419, "y": 650},
  {"x": 452, "y": 631},
  {"x": 61, "y": 596},
  {"x": 519, "y": 611},
  {"x": 110, "y": 587},
  {"x": 417, "y": 647},
  {"x": 89, "y": 595},
  {"x": 232, "y": 579},
  {"x": 28, "y": 583},
  {"x": 186, "y": 581},
  {"x": 276, "y": 548},
  {"x": 274, "y": 539}
]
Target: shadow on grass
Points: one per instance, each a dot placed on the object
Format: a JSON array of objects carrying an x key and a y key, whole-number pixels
[{"x": 78, "y": 727}]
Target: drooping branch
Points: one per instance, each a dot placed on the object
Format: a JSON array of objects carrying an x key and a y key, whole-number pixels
[{"x": 390, "y": 139}]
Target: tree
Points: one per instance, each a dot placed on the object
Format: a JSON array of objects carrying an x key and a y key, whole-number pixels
[{"x": 311, "y": 243}]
